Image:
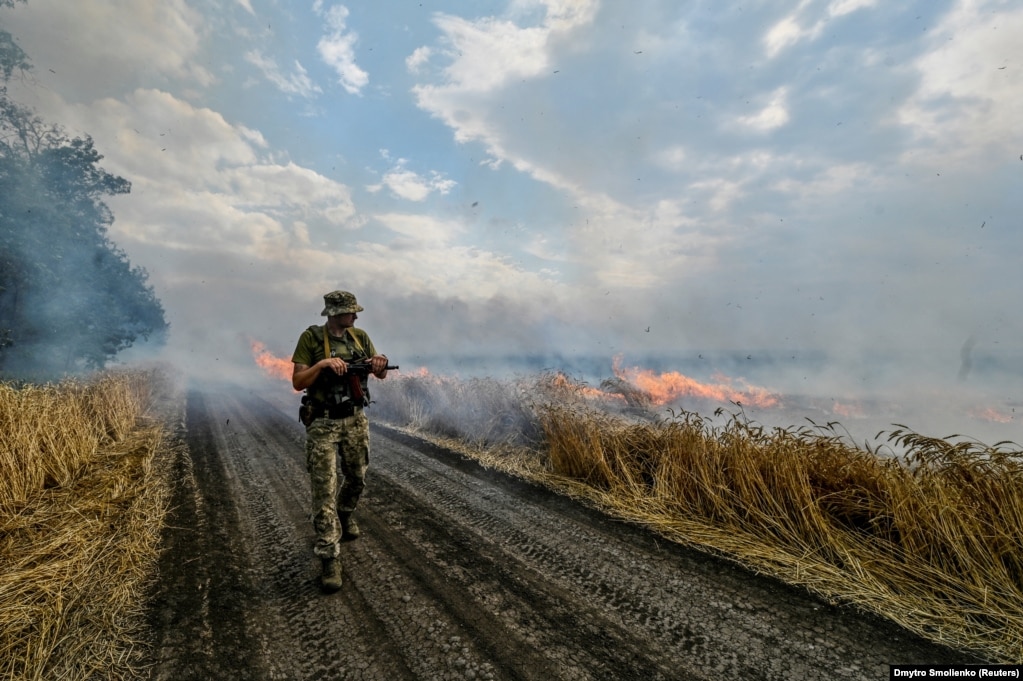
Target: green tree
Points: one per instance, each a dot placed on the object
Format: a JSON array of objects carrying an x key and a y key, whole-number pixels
[{"x": 70, "y": 300}]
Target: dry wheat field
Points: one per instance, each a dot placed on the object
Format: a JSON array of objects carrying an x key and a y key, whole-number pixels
[
  {"x": 82, "y": 502},
  {"x": 931, "y": 539}
]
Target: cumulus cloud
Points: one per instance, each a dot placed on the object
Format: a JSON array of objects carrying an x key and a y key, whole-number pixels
[
  {"x": 491, "y": 52},
  {"x": 412, "y": 186},
  {"x": 212, "y": 215},
  {"x": 127, "y": 43},
  {"x": 828, "y": 182},
  {"x": 153, "y": 133},
  {"x": 494, "y": 79},
  {"x": 463, "y": 272},
  {"x": 337, "y": 48},
  {"x": 202, "y": 182},
  {"x": 419, "y": 230},
  {"x": 774, "y": 114},
  {"x": 839, "y": 8},
  {"x": 488, "y": 53},
  {"x": 798, "y": 26},
  {"x": 419, "y": 57},
  {"x": 970, "y": 80},
  {"x": 786, "y": 32},
  {"x": 290, "y": 187},
  {"x": 724, "y": 177},
  {"x": 295, "y": 83},
  {"x": 671, "y": 158}
]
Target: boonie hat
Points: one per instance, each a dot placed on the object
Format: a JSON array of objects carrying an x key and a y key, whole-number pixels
[{"x": 340, "y": 302}]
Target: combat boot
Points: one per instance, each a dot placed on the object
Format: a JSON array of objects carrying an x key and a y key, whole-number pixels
[
  {"x": 331, "y": 578},
  {"x": 349, "y": 528}
]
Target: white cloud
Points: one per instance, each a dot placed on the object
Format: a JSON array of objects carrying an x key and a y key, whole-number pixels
[
  {"x": 968, "y": 98},
  {"x": 544, "y": 247},
  {"x": 489, "y": 53},
  {"x": 291, "y": 188},
  {"x": 839, "y": 8},
  {"x": 617, "y": 169},
  {"x": 412, "y": 186},
  {"x": 421, "y": 229},
  {"x": 793, "y": 28},
  {"x": 296, "y": 83},
  {"x": 419, "y": 57},
  {"x": 462, "y": 272},
  {"x": 671, "y": 158},
  {"x": 151, "y": 132},
  {"x": 247, "y": 4},
  {"x": 774, "y": 115},
  {"x": 636, "y": 247},
  {"x": 783, "y": 34},
  {"x": 831, "y": 181},
  {"x": 337, "y": 49},
  {"x": 301, "y": 230},
  {"x": 200, "y": 182},
  {"x": 124, "y": 43},
  {"x": 720, "y": 193}
]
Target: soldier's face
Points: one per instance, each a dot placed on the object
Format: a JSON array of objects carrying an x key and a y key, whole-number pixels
[{"x": 347, "y": 319}]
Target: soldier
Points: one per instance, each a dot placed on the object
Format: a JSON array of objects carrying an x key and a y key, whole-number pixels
[{"x": 337, "y": 431}]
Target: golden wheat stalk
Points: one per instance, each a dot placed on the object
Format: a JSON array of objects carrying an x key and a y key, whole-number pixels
[
  {"x": 82, "y": 500},
  {"x": 932, "y": 540}
]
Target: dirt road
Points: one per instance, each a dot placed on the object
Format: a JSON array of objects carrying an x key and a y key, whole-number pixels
[{"x": 461, "y": 573}]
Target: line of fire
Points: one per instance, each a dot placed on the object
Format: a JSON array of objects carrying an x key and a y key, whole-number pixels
[{"x": 647, "y": 388}]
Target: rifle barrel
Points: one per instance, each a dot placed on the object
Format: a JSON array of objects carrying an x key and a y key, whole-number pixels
[{"x": 366, "y": 366}]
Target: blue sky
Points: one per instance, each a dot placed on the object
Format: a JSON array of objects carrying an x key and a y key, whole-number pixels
[{"x": 562, "y": 176}]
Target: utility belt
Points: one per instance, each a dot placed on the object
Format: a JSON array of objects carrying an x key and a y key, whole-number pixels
[{"x": 314, "y": 409}]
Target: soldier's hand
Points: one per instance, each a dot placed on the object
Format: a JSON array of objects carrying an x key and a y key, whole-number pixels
[
  {"x": 378, "y": 363},
  {"x": 335, "y": 364}
]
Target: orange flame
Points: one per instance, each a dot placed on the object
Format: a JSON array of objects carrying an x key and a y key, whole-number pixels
[
  {"x": 277, "y": 367},
  {"x": 667, "y": 387},
  {"x": 563, "y": 382}
]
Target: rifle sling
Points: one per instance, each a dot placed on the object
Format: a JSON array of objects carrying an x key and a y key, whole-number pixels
[
  {"x": 326, "y": 341},
  {"x": 353, "y": 381}
]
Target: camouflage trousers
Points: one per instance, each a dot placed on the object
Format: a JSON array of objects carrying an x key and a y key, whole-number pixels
[{"x": 336, "y": 456}]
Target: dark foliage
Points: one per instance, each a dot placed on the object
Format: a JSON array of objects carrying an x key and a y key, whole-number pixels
[{"x": 69, "y": 298}]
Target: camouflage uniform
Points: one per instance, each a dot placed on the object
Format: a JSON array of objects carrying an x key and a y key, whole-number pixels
[
  {"x": 336, "y": 449},
  {"x": 326, "y": 439}
]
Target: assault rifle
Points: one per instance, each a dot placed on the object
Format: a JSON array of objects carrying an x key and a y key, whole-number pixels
[
  {"x": 363, "y": 367},
  {"x": 348, "y": 388},
  {"x": 342, "y": 393}
]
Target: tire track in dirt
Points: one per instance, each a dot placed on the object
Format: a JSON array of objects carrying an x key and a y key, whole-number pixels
[
  {"x": 714, "y": 615},
  {"x": 462, "y": 573},
  {"x": 279, "y": 626},
  {"x": 527, "y": 620},
  {"x": 198, "y": 609}
]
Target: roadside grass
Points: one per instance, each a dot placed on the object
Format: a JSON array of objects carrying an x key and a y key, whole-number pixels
[
  {"x": 931, "y": 539},
  {"x": 82, "y": 501}
]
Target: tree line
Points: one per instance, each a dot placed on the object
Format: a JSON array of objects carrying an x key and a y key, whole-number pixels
[{"x": 70, "y": 300}]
